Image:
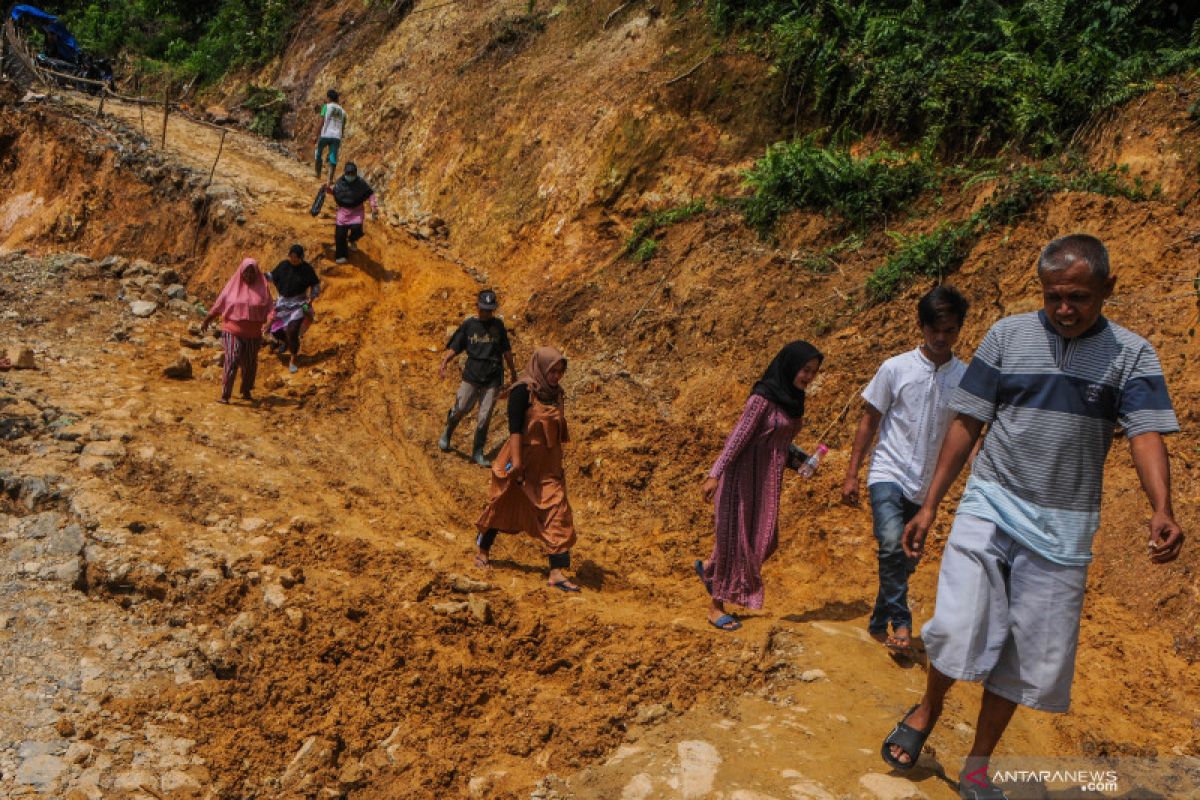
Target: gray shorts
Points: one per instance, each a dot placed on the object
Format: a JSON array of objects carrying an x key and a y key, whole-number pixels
[
  {"x": 1005, "y": 616},
  {"x": 467, "y": 395}
]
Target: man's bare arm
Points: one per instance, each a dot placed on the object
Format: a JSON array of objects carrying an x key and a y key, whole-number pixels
[{"x": 1153, "y": 467}]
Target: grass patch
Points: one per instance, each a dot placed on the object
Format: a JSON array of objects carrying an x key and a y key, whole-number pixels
[
  {"x": 823, "y": 262},
  {"x": 804, "y": 174},
  {"x": 942, "y": 250},
  {"x": 641, "y": 244}
]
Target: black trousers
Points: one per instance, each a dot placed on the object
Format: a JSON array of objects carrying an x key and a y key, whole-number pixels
[
  {"x": 342, "y": 236},
  {"x": 486, "y": 539},
  {"x": 290, "y": 336}
]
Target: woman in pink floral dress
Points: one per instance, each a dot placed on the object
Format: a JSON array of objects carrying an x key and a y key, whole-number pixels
[{"x": 746, "y": 481}]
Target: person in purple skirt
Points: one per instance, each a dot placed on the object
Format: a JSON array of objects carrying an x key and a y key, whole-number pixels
[{"x": 746, "y": 480}]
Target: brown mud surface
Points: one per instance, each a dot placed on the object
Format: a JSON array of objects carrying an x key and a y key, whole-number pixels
[{"x": 300, "y": 568}]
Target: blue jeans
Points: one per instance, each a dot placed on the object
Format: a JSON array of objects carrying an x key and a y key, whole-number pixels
[
  {"x": 333, "y": 145},
  {"x": 891, "y": 511}
]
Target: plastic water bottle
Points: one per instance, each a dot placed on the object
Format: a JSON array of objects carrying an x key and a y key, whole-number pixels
[{"x": 810, "y": 464}]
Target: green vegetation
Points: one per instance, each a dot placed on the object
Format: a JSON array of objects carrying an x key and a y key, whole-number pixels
[
  {"x": 966, "y": 74},
  {"x": 269, "y": 105},
  {"x": 802, "y": 174},
  {"x": 188, "y": 39},
  {"x": 942, "y": 250},
  {"x": 641, "y": 244},
  {"x": 958, "y": 81},
  {"x": 824, "y": 261}
]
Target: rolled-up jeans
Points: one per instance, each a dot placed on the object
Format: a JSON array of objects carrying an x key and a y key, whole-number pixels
[{"x": 891, "y": 511}]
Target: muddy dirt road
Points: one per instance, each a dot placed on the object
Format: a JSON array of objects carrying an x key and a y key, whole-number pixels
[{"x": 276, "y": 600}]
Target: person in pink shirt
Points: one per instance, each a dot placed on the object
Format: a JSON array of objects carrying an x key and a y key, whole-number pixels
[
  {"x": 243, "y": 306},
  {"x": 351, "y": 193}
]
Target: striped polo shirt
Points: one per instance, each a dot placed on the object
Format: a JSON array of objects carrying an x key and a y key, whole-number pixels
[{"x": 1052, "y": 405}]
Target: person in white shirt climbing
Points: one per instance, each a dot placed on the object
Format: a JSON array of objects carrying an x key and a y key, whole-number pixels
[
  {"x": 907, "y": 403},
  {"x": 333, "y": 127}
]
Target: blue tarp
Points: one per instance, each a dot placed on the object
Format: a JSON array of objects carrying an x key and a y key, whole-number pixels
[
  {"x": 19, "y": 12},
  {"x": 62, "y": 44}
]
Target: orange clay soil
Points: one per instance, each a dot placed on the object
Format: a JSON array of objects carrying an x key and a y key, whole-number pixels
[{"x": 364, "y": 521}]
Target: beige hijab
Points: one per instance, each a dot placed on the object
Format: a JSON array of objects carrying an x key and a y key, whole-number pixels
[{"x": 534, "y": 374}]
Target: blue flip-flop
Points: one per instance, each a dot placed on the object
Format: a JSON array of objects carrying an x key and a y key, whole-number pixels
[
  {"x": 722, "y": 623},
  {"x": 565, "y": 586},
  {"x": 699, "y": 566}
]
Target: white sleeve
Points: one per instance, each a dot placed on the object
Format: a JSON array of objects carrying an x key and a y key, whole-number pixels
[{"x": 879, "y": 391}]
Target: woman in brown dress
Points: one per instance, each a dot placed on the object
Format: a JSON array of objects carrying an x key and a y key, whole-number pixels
[{"x": 529, "y": 489}]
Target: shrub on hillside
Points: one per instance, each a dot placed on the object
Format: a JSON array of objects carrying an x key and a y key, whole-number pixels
[
  {"x": 194, "y": 38},
  {"x": 968, "y": 73},
  {"x": 802, "y": 174}
]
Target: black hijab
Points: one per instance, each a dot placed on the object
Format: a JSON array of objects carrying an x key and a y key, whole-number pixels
[{"x": 778, "y": 383}]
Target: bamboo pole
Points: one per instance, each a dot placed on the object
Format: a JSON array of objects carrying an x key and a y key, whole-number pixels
[
  {"x": 220, "y": 147},
  {"x": 207, "y": 197},
  {"x": 166, "y": 113}
]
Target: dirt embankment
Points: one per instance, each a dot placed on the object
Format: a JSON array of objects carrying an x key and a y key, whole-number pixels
[
  {"x": 541, "y": 154},
  {"x": 306, "y": 594},
  {"x": 531, "y": 136},
  {"x": 541, "y": 138},
  {"x": 302, "y": 553}
]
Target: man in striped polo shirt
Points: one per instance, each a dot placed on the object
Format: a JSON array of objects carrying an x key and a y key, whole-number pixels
[{"x": 1052, "y": 386}]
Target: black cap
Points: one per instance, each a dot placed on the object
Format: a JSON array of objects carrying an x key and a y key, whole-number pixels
[
  {"x": 350, "y": 169},
  {"x": 487, "y": 300},
  {"x": 297, "y": 249},
  {"x": 332, "y": 95}
]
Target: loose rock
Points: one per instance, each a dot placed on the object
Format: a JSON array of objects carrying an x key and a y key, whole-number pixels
[
  {"x": 314, "y": 755},
  {"x": 479, "y": 608},
  {"x": 21, "y": 358},
  {"x": 888, "y": 787},
  {"x": 465, "y": 585},
  {"x": 40, "y": 770},
  {"x": 449, "y": 609},
  {"x": 180, "y": 370}
]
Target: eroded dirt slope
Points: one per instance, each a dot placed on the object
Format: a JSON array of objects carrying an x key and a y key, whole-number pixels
[{"x": 290, "y": 567}]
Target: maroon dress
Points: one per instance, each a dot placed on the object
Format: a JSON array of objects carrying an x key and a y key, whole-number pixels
[{"x": 750, "y": 469}]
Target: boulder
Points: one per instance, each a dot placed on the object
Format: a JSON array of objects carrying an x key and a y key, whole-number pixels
[
  {"x": 40, "y": 770},
  {"x": 180, "y": 370},
  {"x": 142, "y": 308},
  {"x": 114, "y": 265}
]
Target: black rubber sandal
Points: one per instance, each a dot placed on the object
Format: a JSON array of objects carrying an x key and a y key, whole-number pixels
[{"x": 910, "y": 740}]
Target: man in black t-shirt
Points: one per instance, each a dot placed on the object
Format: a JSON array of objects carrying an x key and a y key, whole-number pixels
[{"x": 485, "y": 340}]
